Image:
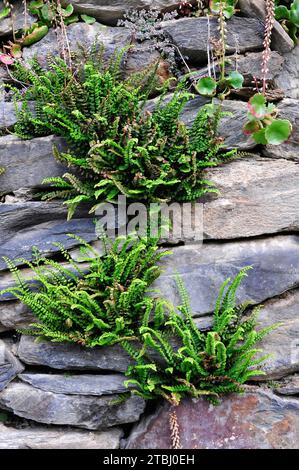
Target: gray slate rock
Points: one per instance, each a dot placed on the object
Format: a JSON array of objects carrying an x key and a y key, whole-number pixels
[
  {"x": 281, "y": 41},
  {"x": 288, "y": 78},
  {"x": 282, "y": 344},
  {"x": 71, "y": 356},
  {"x": 40, "y": 224},
  {"x": 8, "y": 24},
  {"x": 288, "y": 386},
  {"x": 110, "y": 12},
  {"x": 46, "y": 437},
  {"x": 204, "y": 268},
  {"x": 89, "y": 385},
  {"x": 10, "y": 366},
  {"x": 28, "y": 162},
  {"x": 288, "y": 109},
  {"x": 257, "y": 196},
  {"x": 259, "y": 419},
  {"x": 14, "y": 315},
  {"x": 191, "y": 35},
  {"x": 79, "y": 34},
  {"x": 89, "y": 412}
]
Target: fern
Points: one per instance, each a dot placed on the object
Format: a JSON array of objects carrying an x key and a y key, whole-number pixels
[{"x": 189, "y": 362}]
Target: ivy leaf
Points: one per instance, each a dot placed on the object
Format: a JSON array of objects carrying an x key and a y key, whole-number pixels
[
  {"x": 278, "y": 132},
  {"x": 88, "y": 19},
  {"x": 257, "y": 106},
  {"x": 207, "y": 86},
  {"x": 260, "y": 137},
  {"x": 235, "y": 79}
]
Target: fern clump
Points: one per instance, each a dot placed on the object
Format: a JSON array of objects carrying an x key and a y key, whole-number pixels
[
  {"x": 116, "y": 145},
  {"x": 195, "y": 363},
  {"x": 100, "y": 302}
]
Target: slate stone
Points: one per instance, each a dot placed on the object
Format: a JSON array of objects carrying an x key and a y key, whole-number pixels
[
  {"x": 14, "y": 315},
  {"x": 89, "y": 412},
  {"x": 191, "y": 35},
  {"x": 282, "y": 344},
  {"x": 72, "y": 356},
  {"x": 257, "y": 196},
  {"x": 17, "y": 22},
  {"x": 259, "y": 419},
  {"x": 288, "y": 386},
  {"x": 281, "y": 41},
  {"x": 10, "y": 366},
  {"x": 110, "y": 12},
  {"x": 204, "y": 267},
  {"x": 54, "y": 437},
  {"x": 24, "y": 225},
  {"x": 288, "y": 109},
  {"x": 28, "y": 162},
  {"x": 288, "y": 78},
  {"x": 83, "y": 384},
  {"x": 79, "y": 34}
]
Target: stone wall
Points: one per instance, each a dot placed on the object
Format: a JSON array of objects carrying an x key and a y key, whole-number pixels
[{"x": 66, "y": 396}]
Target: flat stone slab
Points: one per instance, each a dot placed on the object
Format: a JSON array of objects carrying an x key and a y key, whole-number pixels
[
  {"x": 191, "y": 35},
  {"x": 28, "y": 162},
  {"x": 259, "y": 419},
  {"x": 79, "y": 33},
  {"x": 257, "y": 197},
  {"x": 288, "y": 78},
  {"x": 288, "y": 386},
  {"x": 288, "y": 109},
  {"x": 45, "y": 437},
  {"x": 71, "y": 356},
  {"x": 14, "y": 315},
  {"x": 10, "y": 366},
  {"x": 27, "y": 224},
  {"x": 205, "y": 267},
  {"x": 83, "y": 384},
  {"x": 282, "y": 344},
  {"x": 110, "y": 12},
  {"x": 90, "y": 412}
]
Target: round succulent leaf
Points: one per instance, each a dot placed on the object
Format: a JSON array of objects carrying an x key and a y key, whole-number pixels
[
  {"x": 260, "y": 137},
  {"x": 68, "y": 11},
  {"x": 251, "y": 127},
  {"x": 257, "y": 106},
  {"x": 4, "y": 12},
  {"x": 235, "y": 79},
  {"x": 294, "y": 13},
  {"x": 282, "y": 13},
  {"x": 207, "y": 86},
  {"x": 6, "y": 59},
  {"x": 278, "y": 132},
  {"x": 88, "y": 19}
]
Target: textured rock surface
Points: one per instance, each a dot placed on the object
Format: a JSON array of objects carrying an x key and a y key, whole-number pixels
[
  {"x": 28, "y": 162},
  {"x": 41, "y": 437},
  {"x": 24, "y": 225},
  {"x": 91, "y": 385},
  {"x": 257, "y": 420},
  {"x": 288, "y": 386},
  {"x": 7, "y": 25},
  {"x": 72, "y": 357},
  {"x": 257, "y": 196},
  {"x": 110, "y": 12},
  {"x": 90, "y": 412},
  {"x": 14, "y": 315},
  {"x": 191, "y": 35},
  {"x": 288, "y": 78},
  {"x": 79, "y": 33},
  {"x": 282, "y": 343},
  {"x": 204, "y": 267},
  {"x": 10, "y": 366},
  {"x": 281, "y": 41},
  {"x": 288, "y": 109}
]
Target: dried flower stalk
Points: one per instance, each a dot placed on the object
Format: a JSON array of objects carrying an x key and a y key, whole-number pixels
[
  {"x": 269, "y": 23},
  {"x": 175, "y": 430}
]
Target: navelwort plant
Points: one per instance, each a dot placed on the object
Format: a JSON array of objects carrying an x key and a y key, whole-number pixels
[
  {"x": 99, "y": 301},
  {"x": 287, "y": 13},
  {"x": 178, "y": 360},
  {"x": 116, "y": 145}
]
